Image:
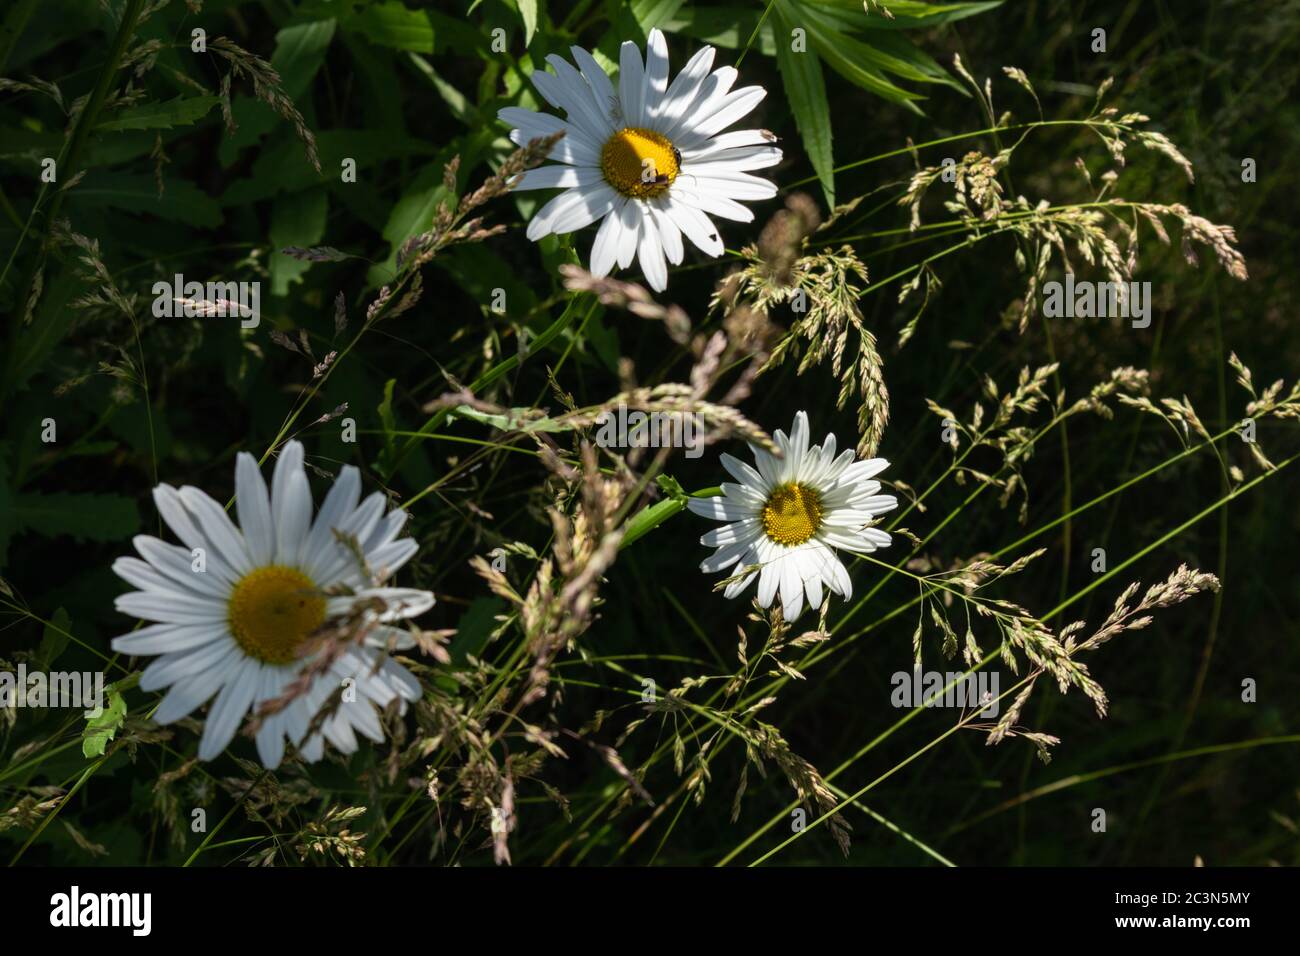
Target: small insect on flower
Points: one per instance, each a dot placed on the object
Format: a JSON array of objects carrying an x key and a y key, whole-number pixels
[
  {"x": 235, "y": 607},
  {"x": 787, "y": 516},
  {"x": 674, "y": 129}
]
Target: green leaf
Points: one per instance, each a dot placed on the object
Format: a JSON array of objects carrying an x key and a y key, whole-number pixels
[
  {"x": 181, "y": 201},
  {"x": 633, "y": 21},
  {"x": 883, "y": 53},
  {"x": 909, "y": 14},
  {"x": 481, "y": 272},
  {"x": 54, "y": 640},
  {"x": 296, "y": 220},
  {"x": 182, "y": 111},
  {"x": 651, "y": 517},
  {"x": 299, "y": 52},
  {"x": 844, "y": 55},
  {"x": 393, "y": 25},
  {"x": 412, "y": 214},
  {"x": 389, "y": 424},
  {"x": 517, "y": 420},
  {"x": 83, "y": 517},
  {"x": 528, "y": 15},
  {"x": 34, "y": 344},
  {"x": 475, "y": 627},
  {"x": 725, "y": 27},
  {"x": 99, "y": 731},
  {"x": 671, "y": 487},
  {"x": 281, "y": 167},
  {"x": 456, "y": 101},
  {"x": 806, "y": 90}
]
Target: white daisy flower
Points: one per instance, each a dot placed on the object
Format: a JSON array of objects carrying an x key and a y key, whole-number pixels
[
  {"x": 233, "y": 629},
  {"x": 788, "y": 517},
  {"x": 650, "y": 158}
]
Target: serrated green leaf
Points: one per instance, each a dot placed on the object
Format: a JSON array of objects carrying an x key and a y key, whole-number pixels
[{"x": 99, "y": 731}]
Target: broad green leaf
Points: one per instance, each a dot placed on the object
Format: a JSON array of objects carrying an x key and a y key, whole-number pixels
[
  {"x": 181, "y": 111},
  {"x": 806, "y": 90},
  {"x": 34, "y": 344},
  {"x": 281, "y": 166},
  {"x": 83, "y": 517},
  {"x": 654, "y": 13},
  {"x": 414, "y": 212},
  {"x": 725, "y": 27},
  {"x": 137, "y": 194},
  {"x": 34, "y": 144},
  {"x": 633, "y": 22},
  {"x": 393, "y": 25},
  {"x": 296, "y": 220},
  {"x": 299, "y": 52},
  {"x": 475, "y": 628},
  {"x": 456, "y": 101},
  {"x": 477, "y": 269}
]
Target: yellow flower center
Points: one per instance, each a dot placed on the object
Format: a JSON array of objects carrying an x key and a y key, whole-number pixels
[
  {"x": 639, "y": 162},
  {"x": 792, "y": 514},
  {"x": 271, "y": 612}
]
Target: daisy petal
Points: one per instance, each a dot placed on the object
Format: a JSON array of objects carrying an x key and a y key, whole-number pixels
[{"x": 253, "y": 507}]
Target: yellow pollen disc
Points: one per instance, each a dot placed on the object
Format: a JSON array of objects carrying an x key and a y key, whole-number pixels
[
  {"x": 639, "y": 162},
  {"x": 272, "y": 610},
  {"x": 792, "y": 514}
]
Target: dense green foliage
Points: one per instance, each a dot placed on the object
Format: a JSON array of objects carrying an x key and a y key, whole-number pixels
[{"x": 211, "y": 164}]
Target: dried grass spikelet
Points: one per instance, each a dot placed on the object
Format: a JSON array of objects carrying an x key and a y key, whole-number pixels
[
  {"x": 629, "y": 296},
  {"x": 267, "y": 87},
  {"x": 822, "y": 289},
  {"x": 1083, "y": 230},
  {"x": 450, "y": 226},
  {"x": 1055, "y": 654},
  {"x": 743, "y": 340},
  {"x": 782, "y": 240},
  {"x": 561, "y": 602},
  {"x": 720, "y": 421}
]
